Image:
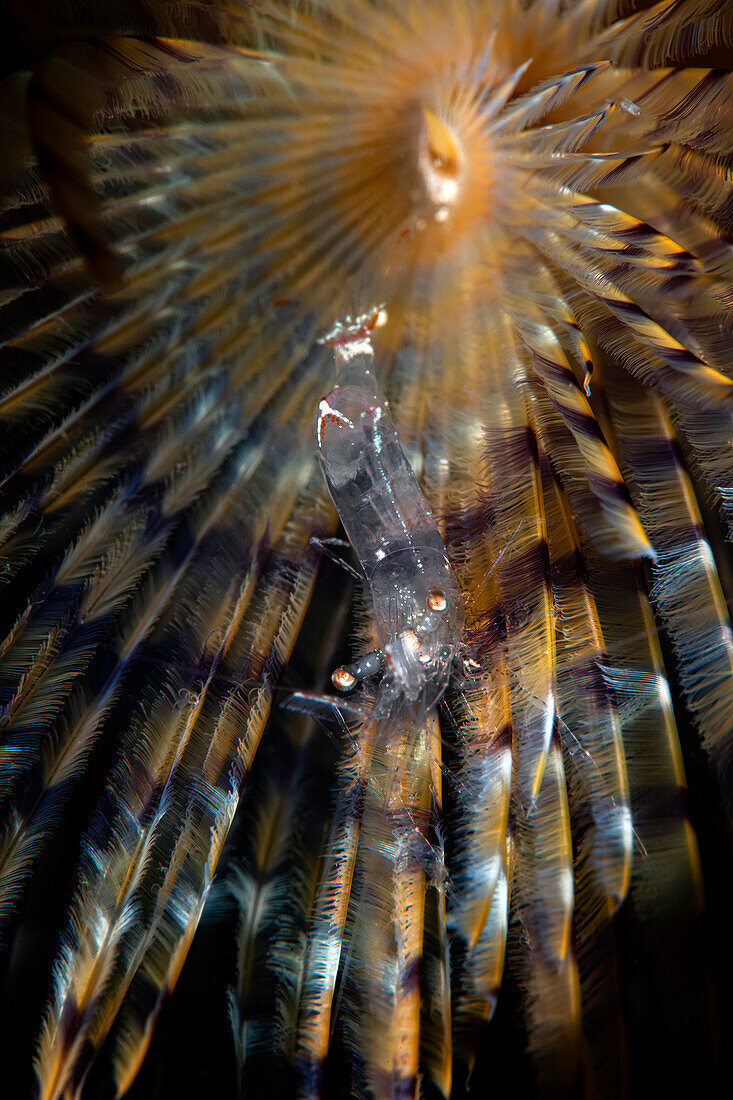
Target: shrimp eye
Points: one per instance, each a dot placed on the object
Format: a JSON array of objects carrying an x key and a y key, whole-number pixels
[
  {"x": 437, "y": 600},
  {"x": 342, "y": 679}
]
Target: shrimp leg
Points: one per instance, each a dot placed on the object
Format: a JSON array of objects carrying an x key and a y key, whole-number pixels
[{"x": 324, "y": 545}]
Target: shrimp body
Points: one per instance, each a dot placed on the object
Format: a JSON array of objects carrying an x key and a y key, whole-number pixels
[{"x": 418, "y": 610}]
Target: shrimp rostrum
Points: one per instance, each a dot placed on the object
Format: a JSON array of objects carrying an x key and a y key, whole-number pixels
[{"x": 416, "y": 601}]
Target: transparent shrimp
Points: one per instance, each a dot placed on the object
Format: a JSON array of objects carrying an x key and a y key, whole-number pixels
[{"x": 416, "y": 601}]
